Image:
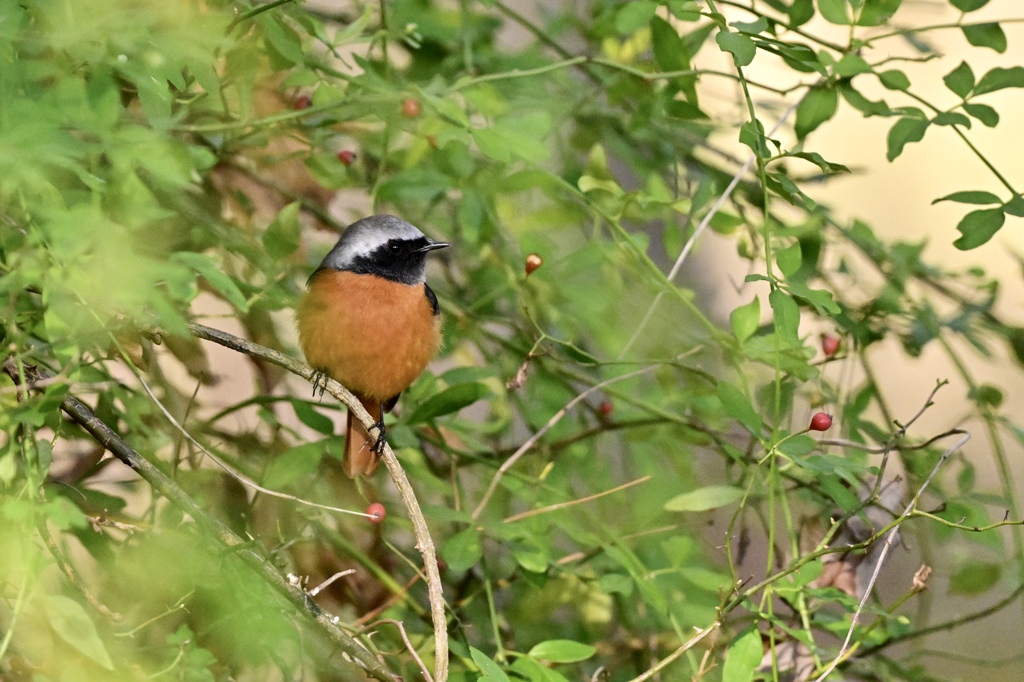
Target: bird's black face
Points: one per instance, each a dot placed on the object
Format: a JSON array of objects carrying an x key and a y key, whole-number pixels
[{"x": 399, "y": 260}]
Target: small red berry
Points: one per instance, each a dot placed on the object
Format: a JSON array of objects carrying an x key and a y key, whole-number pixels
[
  {"x": 820, "y": 422},
  {"x": 830, "y": 344},
  {"x": 605, "y": 408},
  {"x": 346, "y": 156},
  {"x": 533, "y": 261},
  {"x": 302, "y": 102},
  {"x": 411, "y": 107},
  {"x": 376, "y": 512}
]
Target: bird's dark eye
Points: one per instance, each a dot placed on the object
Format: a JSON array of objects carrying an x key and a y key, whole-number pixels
[{"x": 394, "y": 247}]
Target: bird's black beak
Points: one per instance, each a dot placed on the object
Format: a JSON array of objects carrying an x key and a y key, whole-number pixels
[{"x": 432, "y": 245}]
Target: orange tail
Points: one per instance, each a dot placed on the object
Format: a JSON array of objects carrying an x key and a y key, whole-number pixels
[{"x": 360, "y": 459}]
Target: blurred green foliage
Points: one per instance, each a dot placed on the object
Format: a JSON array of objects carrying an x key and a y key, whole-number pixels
[{"x": 164, "y": 162}]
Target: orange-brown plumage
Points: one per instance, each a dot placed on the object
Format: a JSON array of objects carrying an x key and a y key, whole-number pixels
[{"x": 373, "y": 334}]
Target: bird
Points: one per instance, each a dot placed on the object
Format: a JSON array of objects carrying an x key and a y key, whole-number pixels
[{"x": 369, "y": 319}]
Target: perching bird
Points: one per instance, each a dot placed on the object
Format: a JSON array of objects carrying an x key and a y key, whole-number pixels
[{"x": 369, "y": 320}]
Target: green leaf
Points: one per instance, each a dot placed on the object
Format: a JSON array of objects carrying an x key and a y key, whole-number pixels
[
  {"x": 308, "y": 415},
  {"x": 72, "y": 624},
  {"x": 951, "y": 118},
  {"x": 960, "y": 80},
  {"x": 669, "y": 51},
  {"x": 971, "y": 197},
  {"x": 868, "y": 12},
  {"x": 704, "y": 499},
  {"x": 903, "y": 132},
  {"x": 789, "y": 259},
  {"x": 282, "y": 238},
  {"x": 999, "y": 79},
  {"x": 743, "y": 656},
  {"x": 451, "y": 399},
  {"x": 298, "y": 463},
  {"x": 1014, "y": 207},
  {"x": 205, "y": 266},
  {"x": 633, "y": 16},
  {"x": 736, "y": 405},
  {"x": 562, "y": 651},
  {"x": 977, "y": 227},
  {"x": 988, "y": 35},
  {"x": 975, "y": 577},
  {"x": 818, "y": 105},
  {"x": 787, "y": 316},
  {"x": 851, "y": 65},
  {"x": 490, "y": 672},
  {"x": 745, "y": 320},
  {"x": 741, "y": 47},
  {"x": 894, "y": 79},
  {"x": 984, "y": 113},
  {"x": 968, "y": 5},
  {"x": 463, "y": 550}
]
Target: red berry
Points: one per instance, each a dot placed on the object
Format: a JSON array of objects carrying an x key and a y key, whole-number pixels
[
  {"x": 346, "y": 156},
  {"x": 820, "y": 422},
  {"x": 376, "y": 512},
  {"x": 533, "y": 261},
  {"x": 411, "y": 107},
  {"x": 605, "y": 408},
  {"x": 302, "y": 102},
  {"x": 829, "y": 344}
]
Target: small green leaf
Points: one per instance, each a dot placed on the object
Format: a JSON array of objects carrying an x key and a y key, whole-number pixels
[
  {"x": 736, "y": 405},
  {"x": 300, "y": 462},
  {"x": 903, "y": 132},
  {"x": 451, "y": 399},
  {"x": 975, "y": 577},
  {"x": 741, "y": 47},
  {"x": 562, "y": 651},
  {"x": 977, "y": 227},
  {"x": 308, "y": 415},
  {"x": 984, "y": 113},
  {"x": 211, "y": 272},
  {"x": 1014, "y": 207},
  {"x": 282, "y": 236},
  {"x": 462, "y": 551},
  {"x": 999, "y": 79},
  {"x": 72, "y": 624},
  {"x": 951, "y": 118},
  {"x": 986, "y": 395},
  {"x": 988, "y": 35},
  {"x": 817, "y": 106},
  {"x": 851, "y": 65},
  {"x": 894, "y": 79},
  {"x": 743, "y": 656},
  {"x": 633, "y": 16},
  {"x": 789, "y": 259},
  {"x": 968, "y": 5},
  {"x": 704, "y": 499},
  {"x": 745, "y": 320},
  {"x": 669, "y": 52},
  {"x": 787, "y": 316},
  {"x": 490, "y": 672},
  {"x": 960, "y": 80},
  {"x": 971, "y": 197}
]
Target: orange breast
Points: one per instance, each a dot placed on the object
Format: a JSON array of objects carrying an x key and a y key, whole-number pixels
[{"x": 373, "y": 335}]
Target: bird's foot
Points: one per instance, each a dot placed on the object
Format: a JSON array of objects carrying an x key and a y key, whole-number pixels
[
  {"x": 320, "y": 382},
  {"x": 378, "y": 444}
]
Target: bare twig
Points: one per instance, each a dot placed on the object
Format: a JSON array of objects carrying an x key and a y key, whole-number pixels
[
  {"x": 570, "y": 503},
  {"x": 686, "y": 646},
  {"x": 532, "y": 440},
  {"x": 889, "y": 539},
  {"x": 424, "y": 542},
  {"x": 408, "y": 645}
]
